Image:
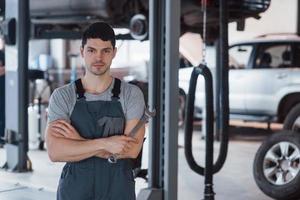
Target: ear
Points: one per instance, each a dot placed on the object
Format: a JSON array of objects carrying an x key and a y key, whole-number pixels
[
  {"x": 115, "y": 52},
  {"x": 81, "y": 51}
]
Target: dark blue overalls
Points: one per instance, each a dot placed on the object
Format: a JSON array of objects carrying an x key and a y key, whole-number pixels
[{"x": 95, "y": 178}]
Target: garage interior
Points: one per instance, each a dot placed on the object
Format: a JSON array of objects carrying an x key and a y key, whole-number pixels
[{"x": 212, "y": 152}]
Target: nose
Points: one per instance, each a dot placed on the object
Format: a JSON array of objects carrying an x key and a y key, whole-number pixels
[{"x": 99, "y": 56}]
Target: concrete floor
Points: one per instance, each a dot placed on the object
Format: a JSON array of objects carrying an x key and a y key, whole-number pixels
[{"x": 234, "y": 181}]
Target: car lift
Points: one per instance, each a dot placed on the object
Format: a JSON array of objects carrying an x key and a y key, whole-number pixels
[
  {"x": 163, "y": 141},
  {"x": 16, "y": 35},
  {"x": 164, "y": 17}
]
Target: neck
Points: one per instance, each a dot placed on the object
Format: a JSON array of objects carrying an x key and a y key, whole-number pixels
[{"x": 96, "y": 84}]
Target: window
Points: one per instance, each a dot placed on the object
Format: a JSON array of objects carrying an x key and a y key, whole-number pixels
[
  {"x": 297, "y": 55},
  {"x": 275, "y": 56},
  {"x": 239, "y": 56}
]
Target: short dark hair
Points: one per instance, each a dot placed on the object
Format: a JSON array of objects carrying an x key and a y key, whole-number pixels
[{"x": 100, "y": 30}]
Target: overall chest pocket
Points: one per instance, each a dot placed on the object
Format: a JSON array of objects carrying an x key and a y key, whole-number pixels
[{"x": 111, "y": 125}]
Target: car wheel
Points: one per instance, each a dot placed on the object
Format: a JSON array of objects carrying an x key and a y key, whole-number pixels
[
  {"x": 181, "y": 108},
  {"x": 292, "y": 120},
  {"x": 277, "y": 165}
]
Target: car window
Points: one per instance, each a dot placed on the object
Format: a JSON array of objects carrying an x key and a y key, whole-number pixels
[
  {"x": 239, "y": 56},
  {"x": 275, "y": 56},
  {"x": 297, "y": 56}
]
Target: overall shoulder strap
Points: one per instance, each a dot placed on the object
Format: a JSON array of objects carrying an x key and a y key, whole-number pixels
[
  {"x": 116, "y": 89},
  {"x": 79, "y": 89}
]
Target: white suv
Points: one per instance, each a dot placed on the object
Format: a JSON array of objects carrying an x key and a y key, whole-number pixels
[{"x": 264, "y": 80}]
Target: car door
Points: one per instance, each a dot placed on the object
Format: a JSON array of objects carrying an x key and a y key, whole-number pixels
[
  {"x": 239, "y": 58},
  {"x": 268, "y": 75}
]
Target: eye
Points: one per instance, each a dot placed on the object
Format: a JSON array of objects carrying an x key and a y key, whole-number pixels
[
  {"x": 107, "y": 51},
  {"x": 91, "y": 50}
]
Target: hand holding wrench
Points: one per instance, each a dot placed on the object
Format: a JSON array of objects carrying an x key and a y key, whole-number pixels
[{"x": 144, "y": 119}]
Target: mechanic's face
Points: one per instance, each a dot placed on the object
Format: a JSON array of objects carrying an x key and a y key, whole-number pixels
[{"x": 98, "y": 55}]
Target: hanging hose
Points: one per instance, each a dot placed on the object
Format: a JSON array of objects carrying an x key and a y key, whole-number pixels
[
  {"x": 208, "y": 171},
  {"x": 223, "y": 96},
  {"x": 203, "y": 70}
]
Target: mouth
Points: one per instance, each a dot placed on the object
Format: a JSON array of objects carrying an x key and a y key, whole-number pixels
[{"x": 98, "y": 65}]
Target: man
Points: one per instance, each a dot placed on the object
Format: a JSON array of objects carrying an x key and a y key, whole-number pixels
[
  {"x": 88, "y": 122},
  {"x": 2, "y": 97}
]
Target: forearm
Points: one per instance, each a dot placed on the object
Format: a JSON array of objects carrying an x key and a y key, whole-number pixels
[
  {"x": 103, "y": 154},
  {"x": 64, "y": 150},
  {"x": 74, "y": 158},
  {"x": 139, "y": 136},
  {"x": 132, "y": 153},
  {"x": 99, "y": 154}
]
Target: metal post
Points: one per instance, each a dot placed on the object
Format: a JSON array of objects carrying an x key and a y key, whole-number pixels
[
  {"x": 163, "y": 89},
  {"x": 218, "y": 91},
  {"x": 22, "y": 40},
  {"x": 155, "y": 91},
  {"x": 298, "y": 18},
  {"x": 224, "y": 86},
  {"x": 17, "y": 85},
  {"x": 156, "y": 76},
  {"x": 171, "y": 98}
]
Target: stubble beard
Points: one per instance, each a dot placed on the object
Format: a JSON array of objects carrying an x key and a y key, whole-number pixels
[{"x": 97, "y": 72}]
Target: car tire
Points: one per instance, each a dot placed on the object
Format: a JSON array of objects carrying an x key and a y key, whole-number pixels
[
  {"x": 292, "y": 120},
  {"x": 181, "y": 108},
  {"x": 276, "y": 166}
]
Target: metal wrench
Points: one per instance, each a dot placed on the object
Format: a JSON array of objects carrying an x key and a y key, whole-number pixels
[{"x": 144, "y": 119}]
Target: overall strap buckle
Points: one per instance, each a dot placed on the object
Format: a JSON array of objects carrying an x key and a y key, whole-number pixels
[{"x": 79, "y": 89}]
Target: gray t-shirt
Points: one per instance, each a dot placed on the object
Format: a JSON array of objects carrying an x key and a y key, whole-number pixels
[{"x": 63, "y": 99}]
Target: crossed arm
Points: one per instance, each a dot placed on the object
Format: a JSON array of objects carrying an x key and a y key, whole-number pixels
[{"x": 65, "y": 144}]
